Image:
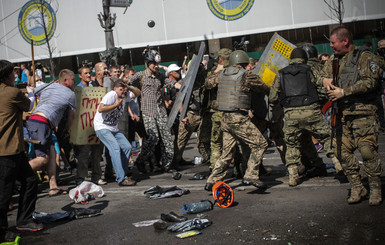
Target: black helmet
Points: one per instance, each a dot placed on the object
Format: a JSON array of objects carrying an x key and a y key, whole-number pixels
[
  {"x": 151, "y": 55},
  {"x": 238, "y": 57},
  {"x": 298, "y": 53},
  {"x": 310, "y": 50}
]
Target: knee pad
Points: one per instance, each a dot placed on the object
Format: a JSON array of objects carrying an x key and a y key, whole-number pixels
[{"x": 367, "y": 152}]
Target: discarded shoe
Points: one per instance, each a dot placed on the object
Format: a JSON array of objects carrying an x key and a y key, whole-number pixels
[
  {"x": 209, "y": 187},
  {"x": 176, "y": 175},
  {"x": 172, "y": 217},
  {"x": 160, "y": 225},
  {"x": 127, "y": 182},
  {"x": 32, "y": 227},
  {"x": 197, "y": 177},
  {"x": 257, "y": 183}
]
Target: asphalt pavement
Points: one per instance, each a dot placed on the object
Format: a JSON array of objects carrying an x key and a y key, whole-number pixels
[{"x": 314, "y": 212}]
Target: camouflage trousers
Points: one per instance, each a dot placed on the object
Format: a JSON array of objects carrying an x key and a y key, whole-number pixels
[
  {"x": 359, "y": 132},
  {"x": 156, "y": 127},
  {"x": 203, "y": 134},
  {"x": 216, "y": 137},
  {"x": 237, "y": 126},
  {"x": 300, "y": 122},
  {"x": 276, "y": 133},
  {"x": 184, "y": 133}
]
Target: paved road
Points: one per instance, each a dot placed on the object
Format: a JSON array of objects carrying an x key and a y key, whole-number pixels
[{"x": 315, "y": 212}]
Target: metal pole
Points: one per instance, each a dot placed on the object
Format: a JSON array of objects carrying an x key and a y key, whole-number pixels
[{"x": 33, "y": 65}]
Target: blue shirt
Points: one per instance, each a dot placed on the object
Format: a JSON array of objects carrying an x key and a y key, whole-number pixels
[{"x": 54, "y": 100}]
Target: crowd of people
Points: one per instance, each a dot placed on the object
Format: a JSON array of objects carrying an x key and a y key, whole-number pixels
[{"x": 231, "y": 109}]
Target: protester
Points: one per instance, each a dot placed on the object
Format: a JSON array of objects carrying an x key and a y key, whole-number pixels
[
  {"x": 54, "y": 99},
  {"x": 106, "y": 128},
  {"x": 13, "y": 160},
  {"x": 154, "y": 113},
  {"x": 88, "y": 153}
]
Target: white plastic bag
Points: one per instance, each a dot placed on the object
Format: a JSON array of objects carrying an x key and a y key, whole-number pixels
[{"x": 86, "y": 191}]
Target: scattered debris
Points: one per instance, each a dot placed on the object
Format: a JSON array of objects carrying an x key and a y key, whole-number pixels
[
  {"x": 145, "y": 223},
  {"x": 188, "y": 234},
  {"x": 157, "y": 192},
  {"x": 86, "y": 191},
  {"x": 76, "y": 213},
  {"x": 188, "y": 225},
  {"x": 198, "y": 207}
]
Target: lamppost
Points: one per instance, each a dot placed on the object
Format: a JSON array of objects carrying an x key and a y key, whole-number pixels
[{"x": 107, "y": 22}]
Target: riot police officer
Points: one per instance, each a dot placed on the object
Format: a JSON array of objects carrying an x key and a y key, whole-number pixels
[{"x": 235, "y": 84}]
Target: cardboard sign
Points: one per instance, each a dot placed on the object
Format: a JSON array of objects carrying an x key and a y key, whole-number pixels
[
  {"x": 275, "y": 57},
  {"x": 87, "y": 102}
]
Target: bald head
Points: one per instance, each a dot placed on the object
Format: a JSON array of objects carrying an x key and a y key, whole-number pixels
[{"x": 101, "y": 69}]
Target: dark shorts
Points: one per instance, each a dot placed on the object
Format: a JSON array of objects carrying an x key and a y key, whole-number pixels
[{"x": 42, "y": 132}]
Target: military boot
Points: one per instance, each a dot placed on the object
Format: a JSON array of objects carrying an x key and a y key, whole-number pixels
[
  {"x": 358, "y": 190},
  {"x": 375, "y": 197},
  {"x": 293, "y": 175}
]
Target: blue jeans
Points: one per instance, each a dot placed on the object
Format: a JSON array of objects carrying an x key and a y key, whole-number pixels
[{"x": 120, "y": 150}]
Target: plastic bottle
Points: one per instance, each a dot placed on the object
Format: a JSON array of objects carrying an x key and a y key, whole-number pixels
[{"x": 198, "y": 207}]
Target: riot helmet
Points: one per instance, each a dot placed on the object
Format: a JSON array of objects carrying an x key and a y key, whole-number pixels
[
  {"x": 310, "y": 49},
  {"x": 238, "y": 57},
  {"x": 151, "y": 55},
  {"x": 298, "y": 53}
]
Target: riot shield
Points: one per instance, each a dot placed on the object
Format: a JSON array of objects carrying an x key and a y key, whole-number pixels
[
  {"x": 275, "y": 57},
  {"x": 186, "y": 89}
]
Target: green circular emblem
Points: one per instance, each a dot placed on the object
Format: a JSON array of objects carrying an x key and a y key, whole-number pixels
[
  {"x": 230, "y": 9},
  {"x": 33, "y": 16}
]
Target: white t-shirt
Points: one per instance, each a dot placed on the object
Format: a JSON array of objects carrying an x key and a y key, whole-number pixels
[{"x": 108, "y": 120}]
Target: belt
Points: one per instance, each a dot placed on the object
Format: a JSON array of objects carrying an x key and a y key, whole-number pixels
[{"x": 42, "y": 119}]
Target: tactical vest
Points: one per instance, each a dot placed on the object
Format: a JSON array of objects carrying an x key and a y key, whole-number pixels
[
  {"x": 296, "y": 86},
  {"x": 230, "y": 95},
  {"x": 349, "y": 73},
  {"x": 349, "y": 76}
]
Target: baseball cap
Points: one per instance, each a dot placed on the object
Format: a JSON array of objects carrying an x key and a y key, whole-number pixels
[{"x": 173, "y": 67}]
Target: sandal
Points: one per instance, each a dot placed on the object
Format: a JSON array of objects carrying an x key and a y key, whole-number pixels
[{"x": 57, "y": 192}]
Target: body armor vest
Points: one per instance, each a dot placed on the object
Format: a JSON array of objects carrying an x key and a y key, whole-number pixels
[
  {"x": 349, "y": 76},
  {"x": 296, "y": 86},
  {"x": 230, "y": 95}
]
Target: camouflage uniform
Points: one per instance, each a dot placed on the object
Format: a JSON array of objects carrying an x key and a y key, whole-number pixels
[
  {"x": 203, "y": 135},
  {"x": 357, "y": 124},
  {"x": 184, "y": 133},
  {"x": 309, "y": 155},
  {"x": 216, "y": 117},
  {"x": 300, "y": 119},
  {"x": 194, "y": 120},
  {"x": 236, "y": 125}
]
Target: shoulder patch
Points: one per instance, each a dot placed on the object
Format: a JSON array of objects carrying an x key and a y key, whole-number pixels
[{"x": 373, "y": 67}]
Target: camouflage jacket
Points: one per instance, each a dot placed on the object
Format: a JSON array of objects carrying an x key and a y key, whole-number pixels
[{"x": 366, "y": 83}]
